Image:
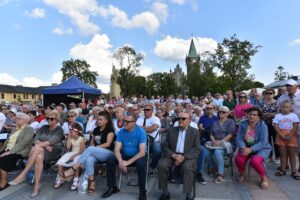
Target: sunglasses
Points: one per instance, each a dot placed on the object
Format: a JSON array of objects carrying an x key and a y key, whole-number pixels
[
  {"x": 75, "y": 129},
  {"x": 181, "y": 118},
  {"x": 127, "y": 121},
  {"x": 147, "y": 109},
  {"x": 50, "y": 118},
  {"x": 209, "y": 108},
  {"x": 223, "y": 112},
  {"x": 70, "y": 116},
  {"x": 242, "y": 97},
  {"x": 269, "y": 93}
]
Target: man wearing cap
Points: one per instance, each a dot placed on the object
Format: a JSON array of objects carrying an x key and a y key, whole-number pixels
[
  {"x": 10, "y": 122},
  {"x": 292, "y": 95}
]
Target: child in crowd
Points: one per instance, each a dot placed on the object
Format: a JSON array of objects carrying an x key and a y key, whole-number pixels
[
  {"x": 76, "y": 143},
  {"x": 286, "y": 124}
]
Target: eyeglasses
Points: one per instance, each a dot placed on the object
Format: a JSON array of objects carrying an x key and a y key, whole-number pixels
[
  {"x": 223, "y": 112},
  {"x": 127, "y": 121},
  {"x": 70, "y": 116},
  {"x": 50, "y": 118},
  {"x": 242, "y": 97},
  {"x": 269, "y": 93},
  {"x": 182, "y": 118},
  {"x": 209, "y": 108},
  {"x": 147, "y": 109}
]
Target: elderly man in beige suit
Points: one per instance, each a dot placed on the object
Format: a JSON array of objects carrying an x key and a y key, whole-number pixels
[
  {"x": 181, "y": 148},
  {"x": 16, "y": 147}
]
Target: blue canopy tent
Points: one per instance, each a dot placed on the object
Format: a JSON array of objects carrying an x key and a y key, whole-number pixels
[{"x": 66, "y": 91}]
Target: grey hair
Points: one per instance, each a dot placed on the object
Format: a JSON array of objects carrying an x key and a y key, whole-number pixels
[{"x": 24, "y": 116}]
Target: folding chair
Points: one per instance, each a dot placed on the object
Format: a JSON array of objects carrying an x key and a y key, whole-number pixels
[{"x": 133, "y": 165}]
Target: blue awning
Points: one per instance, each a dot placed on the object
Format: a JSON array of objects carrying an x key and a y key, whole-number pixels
[{"x": 72, "y": 86}]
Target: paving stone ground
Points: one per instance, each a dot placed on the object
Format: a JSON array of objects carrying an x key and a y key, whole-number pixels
[{"x": 282, "y": 188}]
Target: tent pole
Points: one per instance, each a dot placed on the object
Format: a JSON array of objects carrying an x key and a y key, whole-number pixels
[{"x": 82, "y": 97}]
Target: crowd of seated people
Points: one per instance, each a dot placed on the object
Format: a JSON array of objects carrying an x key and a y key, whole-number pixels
[{"x": 185, "y": 136}]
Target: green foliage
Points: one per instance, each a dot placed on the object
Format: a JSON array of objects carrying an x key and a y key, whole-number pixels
[
  {"x": 232, "y": 58},
  {"x": 129, "y": 61},
  {"x": 161, "y": 84},
  {"x": 81, "y": 69},
  {"x": 280, "y": 75}
]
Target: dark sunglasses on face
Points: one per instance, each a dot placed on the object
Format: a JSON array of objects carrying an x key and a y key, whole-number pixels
[
  {"x": 222, "y": 112},
  {"x": 127, "y": 121},
  {"x": 70, "y": 116},
  {"x": 209, "y": 108},
  {"x": 147, "y": 109},
  {"x": 242, "y": 97},
  {"x": 181, "y": 118},
  {"x": 50, "y": 118},
  {"x": 268, "y": 93}
]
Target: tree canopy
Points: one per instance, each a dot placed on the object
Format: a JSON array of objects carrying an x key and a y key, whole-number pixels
[{"x": 81, "y": 69}]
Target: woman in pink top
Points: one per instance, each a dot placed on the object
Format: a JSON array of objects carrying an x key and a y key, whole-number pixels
[{"x": 239, "y": 110}]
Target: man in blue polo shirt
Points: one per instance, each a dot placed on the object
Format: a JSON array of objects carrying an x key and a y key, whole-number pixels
[
  {"x": 205, "y": 123},
  {"x": 130, "y": 147}
]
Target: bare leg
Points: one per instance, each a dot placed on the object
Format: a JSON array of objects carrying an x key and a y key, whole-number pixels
[
  {"x": 71, "y": 171},
  {"x": 32, "y": 157},
  {"x": 292, "y": 157},
  {"x": 3, "y": 178},
  {"x": 59, "y": 170},
  {"x": 38, "y": 171},
  {"x": 283, "y": 157}
]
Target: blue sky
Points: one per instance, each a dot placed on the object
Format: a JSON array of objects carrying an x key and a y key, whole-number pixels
[{"x": 38, "y": 35}]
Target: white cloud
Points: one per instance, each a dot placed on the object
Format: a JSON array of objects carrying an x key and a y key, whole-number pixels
[
  {"x": 62, "y": 31},
  {"x": 79, "y": 11},
  {"x": 36, "y": 13},
  {"x": 146, "y": 20},
  {"x": 176, "y": 49},
  {"x": 145, "y": 71},
  {"x": 5, "y": 78},
  {"x": 161, "y": 10},
  {"x": 179, "y": 2},
  {"x": 56, "y": 77},
  {"x": 97, "y": 53},
  {"x": 295, "y": 42},
  {"x": 33, "y": 82}
]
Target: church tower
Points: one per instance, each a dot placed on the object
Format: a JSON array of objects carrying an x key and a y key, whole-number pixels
[{"x": 192, "y": 60}]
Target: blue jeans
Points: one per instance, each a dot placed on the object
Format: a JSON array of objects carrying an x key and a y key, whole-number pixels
[
  {"x": 155, "y": 150},
  {"x": 201, "y": 159},
  {"x": 91, "y": 155},
  {"x": 218, "y": 154}
]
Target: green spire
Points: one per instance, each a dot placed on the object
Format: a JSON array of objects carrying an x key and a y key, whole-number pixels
[{"x": 192, "y": 51}]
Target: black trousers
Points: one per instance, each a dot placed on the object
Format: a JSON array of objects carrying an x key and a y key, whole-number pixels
[
  {"x": 9, "y": 162},
  {"x": 140, "y": 165}
]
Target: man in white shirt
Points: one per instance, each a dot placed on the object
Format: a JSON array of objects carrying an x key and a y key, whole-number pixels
[
  {"x": 2, "y": 119},
  {"x": 151, "y": 125}
]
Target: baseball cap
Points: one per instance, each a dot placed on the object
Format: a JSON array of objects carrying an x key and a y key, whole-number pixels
[{"x": 291, "y": 82}]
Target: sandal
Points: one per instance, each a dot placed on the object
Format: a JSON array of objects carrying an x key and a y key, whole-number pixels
[
  {"x": 91, "y": 190},
  {"x": 75, "y": 184},
  {"x": 58, "y": 182},
  {"x": 219, "y": 179},
  {"x": 241, "y": 178},
  {"x": 264, "y": 185},
  {"x": 295, "y": 176},
  {"x": 71, "y": 174},
  {"x": 280, "y": 173}
]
